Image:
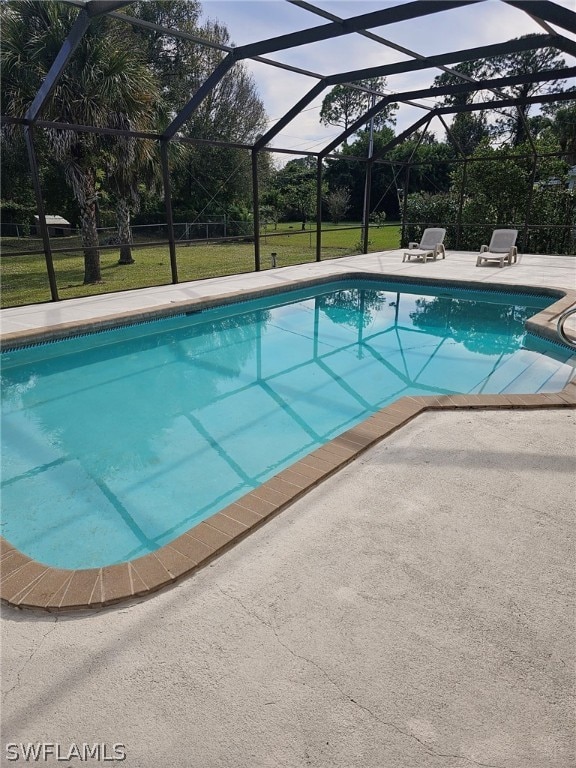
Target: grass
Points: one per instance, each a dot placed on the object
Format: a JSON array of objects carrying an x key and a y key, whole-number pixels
[{"x": 25, "y": 281}]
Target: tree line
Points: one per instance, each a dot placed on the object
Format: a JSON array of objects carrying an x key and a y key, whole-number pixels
[
  {"x": 138, "y": 78},
  {"x": 126, "y": 77},
  {"x": 425, "y": 174}
]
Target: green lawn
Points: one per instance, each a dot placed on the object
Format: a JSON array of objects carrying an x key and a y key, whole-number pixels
[{"x": 24, "y": 278}]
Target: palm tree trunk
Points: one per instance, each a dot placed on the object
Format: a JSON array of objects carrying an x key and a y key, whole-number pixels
[
  {"x": 87, "y": 201},
  {"x": 124, "y": 231}
]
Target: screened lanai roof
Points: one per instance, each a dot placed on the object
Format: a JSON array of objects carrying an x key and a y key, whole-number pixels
[{"x": 298, "y": 50}]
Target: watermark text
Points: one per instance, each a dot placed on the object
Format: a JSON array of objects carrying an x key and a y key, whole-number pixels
[{"x": 41, "y": 751}]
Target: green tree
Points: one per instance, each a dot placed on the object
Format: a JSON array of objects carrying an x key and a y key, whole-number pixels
[
  {"x": 343, "y": 105},
  {"x": 511, "y": 125},
  {"x": 430, "y": 161},
  {"x": 430, "y": 168},
  {"x": 351, "y": 174},
  {"x": 496, "y": 194},
  {"x": 18, "y": 204},
  {"x": 468, "y": 129},
  {"x": 337, "y": 201},
  {"x": 499, "y": 192},
  {"x": 426, "y": 210},
  {"x": 210, "y": 179},
  {"x": 296, "y": 186},
  {"x": 105, "y": 84},
  {"x": 564, "y": 129},
  {"x": 130, "y": 164},
  {"x": 174, "y": 60}
]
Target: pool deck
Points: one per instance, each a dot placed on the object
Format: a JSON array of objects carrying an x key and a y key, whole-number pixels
[
  {"x": 538, "y": 271},
  {"x": 412, "y": 610}
]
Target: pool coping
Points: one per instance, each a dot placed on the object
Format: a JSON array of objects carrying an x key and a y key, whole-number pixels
[{"x": 27, "y": 583}]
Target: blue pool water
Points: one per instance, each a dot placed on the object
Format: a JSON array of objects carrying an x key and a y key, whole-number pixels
[{"x": 115, "y": 443}]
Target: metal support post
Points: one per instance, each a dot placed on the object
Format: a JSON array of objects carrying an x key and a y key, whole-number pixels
[
  {"x": 256, "y": 210},
  {"x": 319, "y": 209},
  {"x": 168, "y": 205},
  {"x": 461, "y": 204},
  {"x": 28, "y": 136},
  {"x": 368, "y": 184}
]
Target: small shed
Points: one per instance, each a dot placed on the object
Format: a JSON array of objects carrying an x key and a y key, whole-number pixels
[{"x": 57, "y": 226}]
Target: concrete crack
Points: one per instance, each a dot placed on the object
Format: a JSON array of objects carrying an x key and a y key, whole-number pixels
[
  {"x": 29, "y": 659},
  {"x": 343, "y": 693}
]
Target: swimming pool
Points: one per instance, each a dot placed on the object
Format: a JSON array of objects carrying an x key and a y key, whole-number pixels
[{"x": 115, "y": 443}]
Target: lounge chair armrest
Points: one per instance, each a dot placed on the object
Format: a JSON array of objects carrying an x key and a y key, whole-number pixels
[
  {"x": 483, "y": 248},
  {"x": 413, "y": 245}
]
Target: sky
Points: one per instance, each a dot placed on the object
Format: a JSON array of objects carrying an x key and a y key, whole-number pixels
[{"x": 248, "y": 21}]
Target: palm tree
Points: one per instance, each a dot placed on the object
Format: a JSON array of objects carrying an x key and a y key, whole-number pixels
[
  {"x": 105, "y": 84},
  {"x": 129, "y": 163}
]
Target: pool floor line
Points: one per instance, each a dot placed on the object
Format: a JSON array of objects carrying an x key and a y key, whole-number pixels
[{"x": 28, "y": 584}]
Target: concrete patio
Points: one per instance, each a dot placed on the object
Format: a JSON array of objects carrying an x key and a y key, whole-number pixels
[
  {"x": 435, "y": 631},
  {"x": 531, "y": 270}
]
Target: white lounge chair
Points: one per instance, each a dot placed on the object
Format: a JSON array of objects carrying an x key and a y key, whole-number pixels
[
  {"x": 429, "y": 247},
  {"x": 502, "y": 248}
]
